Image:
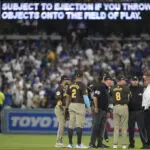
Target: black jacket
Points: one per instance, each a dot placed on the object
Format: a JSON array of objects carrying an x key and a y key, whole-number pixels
[
  {"x": 102, "y": 94},
  {"x": 135, "y": 98}
]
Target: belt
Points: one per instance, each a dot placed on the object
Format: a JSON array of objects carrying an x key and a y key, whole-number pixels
[
  {"x": 60, "y": 107},
  {"x": 102, "y": 109},
  {"x": 78, "y": 102},
  {"x": 120, "y": 104}
]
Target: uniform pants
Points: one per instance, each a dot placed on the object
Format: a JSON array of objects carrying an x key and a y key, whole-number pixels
[
  {"x": 106, "y": 134},
  {"x": 60, "y": 114},
  {"x": 137, "y": 116},
  {"x": 147, "y": 124},
  {"x": 98, "y": 127},
  {"x": 120, "y": 116},
  {"x": 77, "y": 115}
]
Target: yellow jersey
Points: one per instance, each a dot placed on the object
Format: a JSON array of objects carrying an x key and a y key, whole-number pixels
[{"x": 2, "y": 98}]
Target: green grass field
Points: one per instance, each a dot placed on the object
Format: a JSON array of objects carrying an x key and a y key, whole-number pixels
[{"x": 42, "y": 142}]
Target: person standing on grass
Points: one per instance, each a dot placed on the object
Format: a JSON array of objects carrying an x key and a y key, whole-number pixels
[
  {"x": 60, "y": 109},
  {"x": 101, "y": 103},
  {"x": 120, "y": 94},
  {"x": 77, "y": 99},
  {"x": 146, "y": 105},
  {"x": 136, "y": 113}
]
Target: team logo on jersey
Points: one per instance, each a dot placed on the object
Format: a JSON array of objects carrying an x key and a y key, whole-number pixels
[
  {"x": 58, "y": 93},
  {"x": 140, "y": 94},
  {"x": 97, "y": 92}
]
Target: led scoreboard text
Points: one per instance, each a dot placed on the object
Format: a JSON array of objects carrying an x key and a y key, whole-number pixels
[{"x": 73, "y": 11}]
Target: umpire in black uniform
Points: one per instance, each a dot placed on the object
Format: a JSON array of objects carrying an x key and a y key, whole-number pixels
[
  {"x": 100, "y": 101},
  {"x": 135, "y": 113}
]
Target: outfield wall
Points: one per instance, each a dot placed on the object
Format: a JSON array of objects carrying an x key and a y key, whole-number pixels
[{"x": 39, "y": 121}]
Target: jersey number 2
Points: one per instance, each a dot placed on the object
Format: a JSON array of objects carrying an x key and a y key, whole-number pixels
[{"x": 74, "y": 92}]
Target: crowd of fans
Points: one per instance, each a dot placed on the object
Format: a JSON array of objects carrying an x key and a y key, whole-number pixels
[{"x": 30, "y": 70}]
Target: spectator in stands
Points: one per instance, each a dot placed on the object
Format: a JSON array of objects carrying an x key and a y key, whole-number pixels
[
  {"x": 42, "y": 97},
  {"x": 30, "y": 98},
  {"x": 34, "y": 62},
  {"x": 18, "y": 96},
  {"x": 36, "y": 100},
  {"x": 37, "y": 84},
  {"x": 8, "y": 98},
  {"x": 0, "y": 79},
  {"x": 2, "y": 99}
]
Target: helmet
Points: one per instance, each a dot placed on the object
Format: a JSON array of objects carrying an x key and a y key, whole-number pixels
[
  {"x": 64, "y": 77},
  {"x": 134, "y": 78},
  {"x": 121, "y": 78}
]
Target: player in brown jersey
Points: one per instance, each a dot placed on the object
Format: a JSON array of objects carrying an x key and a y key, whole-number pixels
[
  {"x": 78, "y": 98},
  {"x": 60, "y": 109},
  {"x": 120, "y": 94}
]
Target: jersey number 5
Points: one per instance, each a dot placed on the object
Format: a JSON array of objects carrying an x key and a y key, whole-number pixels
[
  {"x": 118, "y": 96},
  {"x": 74, "y": 92}
]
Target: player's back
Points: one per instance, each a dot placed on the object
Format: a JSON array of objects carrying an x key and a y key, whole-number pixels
[
  {"x": 76, "y": 92},
  {"x": 120, "y": 94}
]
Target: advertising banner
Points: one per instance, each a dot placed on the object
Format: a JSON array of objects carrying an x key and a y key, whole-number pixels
[{"x": 40, "y": 121}]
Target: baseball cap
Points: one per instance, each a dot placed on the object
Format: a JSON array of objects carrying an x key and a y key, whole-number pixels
[
  {"x": 134, "y": 78},
  {"x": 121, "y": 78},
  {"x": 91, "y": 86},
  {"x": 78, "y": 73},
  {"x": 104, "y": 75},
  {"x": 107, "y": 77},
  {"x": 64, "y": 77}
]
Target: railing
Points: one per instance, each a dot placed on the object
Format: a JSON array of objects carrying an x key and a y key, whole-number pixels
[
  {"x": 92, "y": 38},
  {"x": 59, "y": 37},
  {"x": 30, "y": 37}
]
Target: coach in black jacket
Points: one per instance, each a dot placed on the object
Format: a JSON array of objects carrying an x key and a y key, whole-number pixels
[{"x": 135, "y": 113}]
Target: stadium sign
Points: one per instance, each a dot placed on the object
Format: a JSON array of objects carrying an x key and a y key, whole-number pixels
[
  {"x": 74, "y": 11},
  {"x": 34, "y": 121},
  {"x": 23, "y": 122},
  {"x": 39, "y": 121}
]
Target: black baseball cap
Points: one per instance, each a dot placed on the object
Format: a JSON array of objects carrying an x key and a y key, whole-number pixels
[
  {"x": 134, "y": 78},
  {"x": 104, "y": 76},
  {"x": 107, "y": 77},
  {"x": 64, "y": 77},
  {"x": 91, "y": 86},
  {"x": 78, "y": 73},
  {"x": 121, "y": 78}
]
